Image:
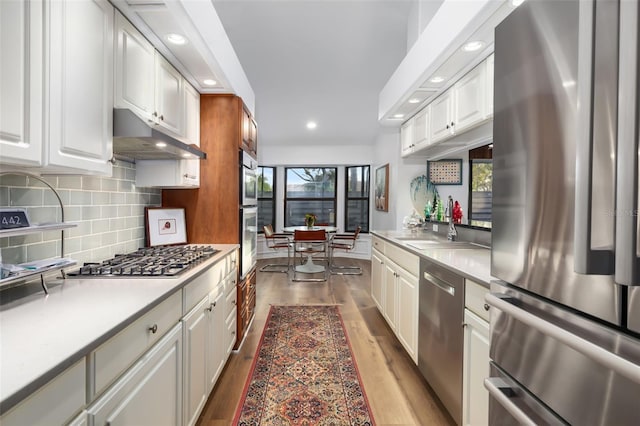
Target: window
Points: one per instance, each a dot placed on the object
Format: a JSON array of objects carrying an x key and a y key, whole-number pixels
[
  {"x": 310, "y": 190},
  {"x": 481, "y": 181},
  {"x": 357, "y": 198},
  {"x": 266, "y": 197}
]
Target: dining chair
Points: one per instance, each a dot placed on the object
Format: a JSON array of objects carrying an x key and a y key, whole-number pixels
[
  {"x": 277, "y": 241},
  {"x": 346, "y": 242},
  {"x": 310, "y": 244}
]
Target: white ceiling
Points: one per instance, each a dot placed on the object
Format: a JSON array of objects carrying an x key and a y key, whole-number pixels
[{"x": 324, "y": 61}]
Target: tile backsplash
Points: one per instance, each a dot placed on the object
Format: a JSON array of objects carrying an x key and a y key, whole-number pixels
[{"x": 109, "y": 212}]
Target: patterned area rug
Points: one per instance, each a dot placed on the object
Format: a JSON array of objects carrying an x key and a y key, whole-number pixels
[{"x": 303, "y": 372}]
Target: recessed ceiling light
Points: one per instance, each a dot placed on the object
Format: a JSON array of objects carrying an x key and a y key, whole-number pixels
[
  {"x": 472, "y": 46},
  {"x": 568, "y": 83},
  {"x": 437, "y": 79},
  {"x": 398, "y": 115},
  {"x": 414, "y": 100},
  {"x": 209, "y": 82},
  {"x": 176, "y": 39},
  {"x": 516, "y": 3},
  {"x": 311, "y": 125},
  {"x": 161, "y": 144}
]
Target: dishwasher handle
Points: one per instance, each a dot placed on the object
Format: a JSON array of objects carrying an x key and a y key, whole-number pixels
[{"x": 440, "y": 283}]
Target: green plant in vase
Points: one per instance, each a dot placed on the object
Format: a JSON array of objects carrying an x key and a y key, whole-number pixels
[{"x": 310, "y": 219}]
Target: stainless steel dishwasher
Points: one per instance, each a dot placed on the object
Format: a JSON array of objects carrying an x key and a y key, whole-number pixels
[{"x": 440, "y": 334}]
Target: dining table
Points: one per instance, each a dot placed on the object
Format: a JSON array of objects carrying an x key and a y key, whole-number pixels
[{"x": 309, "y": 267}]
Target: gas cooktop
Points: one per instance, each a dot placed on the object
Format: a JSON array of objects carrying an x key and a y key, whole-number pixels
[{"x": 161, "y": 261}]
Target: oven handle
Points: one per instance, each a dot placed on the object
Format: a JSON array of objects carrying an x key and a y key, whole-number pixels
[
  {"x": 585, "y": 347},
  {"x": 495, "y": 385}
]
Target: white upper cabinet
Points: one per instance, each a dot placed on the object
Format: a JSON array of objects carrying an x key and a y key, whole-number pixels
[
  {"x": 442, "y": 116},
  {"x": 21, "y": 75},
  {"x": 406, "y": 137},
  {"x": 421, "y": 135},
  {"x": 469, "y": 103},
  {"x": 488, "y": 75},
  {"x": 81, "y": 85},
  {"x": 191, "y": 115},
  {"x": 169, "y": 105},
  {"x": 57, "y": 69},
  {"x": 135, "y": 69}
]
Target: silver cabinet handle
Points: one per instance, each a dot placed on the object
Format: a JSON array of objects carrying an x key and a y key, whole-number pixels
[
  {"x": 494, "y": 385},
  {"x": 585, "y": 347},
  {"x": 162, "y": 117},
  {"x": 441, "y": 284},
  {"x": 153, "y": 329}
]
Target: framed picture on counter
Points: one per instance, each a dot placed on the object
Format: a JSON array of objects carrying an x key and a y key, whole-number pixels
[{"x": 165, "y": 226}]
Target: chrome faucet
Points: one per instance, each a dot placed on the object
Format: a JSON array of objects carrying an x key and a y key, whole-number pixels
[{"x": 452, "y": 234}]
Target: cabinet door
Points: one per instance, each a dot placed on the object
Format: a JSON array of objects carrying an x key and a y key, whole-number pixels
[
  {"x": 80, "y": 85},
  {"x": 217, "y": 330},
  {"x": 390, "y": 291},
  {"x": 150, "y": 393},
  {"x": 21, "y": 75},
  {"x": 191, "y": 115},
  {"x": 195, "y": 329},
  {"x": 406, "y": 138},
  {"x": 469, "y": 103},
  {"x": 134, "y": 69},
  {"x": 488, "y": 106},
  {"x": 169, "y": 100},
  {"x": 440, "y": 122},
  {"x": 421, "y": 128},
  {"x": 475, "y": 398},
  {"x": 253, "y": 136},
  {"x": 377, "y": 279},
  {"x": 407, "y": 331}
]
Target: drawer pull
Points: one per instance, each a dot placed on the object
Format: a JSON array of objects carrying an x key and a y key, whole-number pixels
[
  {"x": 486, "y": 306},
  {"x": 154, "y": 328}
]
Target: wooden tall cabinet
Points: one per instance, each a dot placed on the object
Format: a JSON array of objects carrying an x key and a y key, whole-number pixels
[{"x": 212, "y": 211}]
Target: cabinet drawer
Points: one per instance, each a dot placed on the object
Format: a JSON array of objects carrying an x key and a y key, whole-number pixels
[
  {"x": 403, "y": 258},
  {"x": 230, "y": 304},
  {"x": 377, "y": 243},
  {"x": 231, "y": 333},
  {"x": 202, "y": 285},
  {"x": 54, "y": 403},
  {"x": 474, "y": 298},
  {"x": 122, "y": 350},
  {"x": 231, "y": 262},
  {"x": 230, "y": 283}
]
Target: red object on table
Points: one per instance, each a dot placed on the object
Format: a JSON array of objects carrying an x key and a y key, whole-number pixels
[{"x": 457, "y": 213}]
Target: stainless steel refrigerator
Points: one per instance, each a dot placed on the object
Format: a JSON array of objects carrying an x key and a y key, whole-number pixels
[{"x": 565, "y": 313}]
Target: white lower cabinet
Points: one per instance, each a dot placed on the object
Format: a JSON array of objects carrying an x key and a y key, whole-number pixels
[
  {"x": 407, "y": 325},
  {"x": 475, "y": 398},
  {"x": 208, "y": 336},
  {"x": 150, "y": 393},
  {"x": 195, "y": 326},
  {"x": 45, "y": 406},
  {"x": 377, "y": 278},
  {"x": 394, "y": 289}
]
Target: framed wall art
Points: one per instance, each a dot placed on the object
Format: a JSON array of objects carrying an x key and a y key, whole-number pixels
[
  {"x": 165, "y": 226},
  {"x": 445, "y": 172},
  {"x": 382, "y": 188}
]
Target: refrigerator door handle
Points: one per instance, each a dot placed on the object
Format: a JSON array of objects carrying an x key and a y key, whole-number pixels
[
  {"x": 626, "y": 213},
  {"x": 608, "y": 359},
  {"x": 588, "y": 260},
  {"x": 502, "y": 392}
]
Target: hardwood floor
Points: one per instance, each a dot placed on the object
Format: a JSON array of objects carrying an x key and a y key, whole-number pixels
[{"x": 397, "y": 393}]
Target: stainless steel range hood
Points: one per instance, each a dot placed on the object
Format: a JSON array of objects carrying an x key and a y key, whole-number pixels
[{"x": 135, "y": 139}]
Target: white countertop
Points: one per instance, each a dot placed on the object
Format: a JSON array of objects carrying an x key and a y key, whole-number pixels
[
  {"x": 471, "y": 263},
  {"x": 41, "y": 335}
]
